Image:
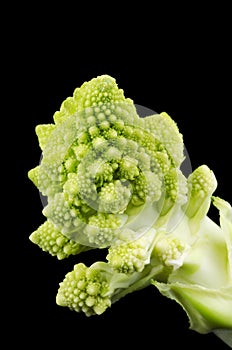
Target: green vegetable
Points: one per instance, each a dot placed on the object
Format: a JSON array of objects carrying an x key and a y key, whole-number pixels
[
  {"x": 203, "y": 284},
  {"x": 93, "y": 289},
  {"x": 103, "y": 166},
  {"x": 51, "y": 240},
  {"x": 113, "y": 180}
]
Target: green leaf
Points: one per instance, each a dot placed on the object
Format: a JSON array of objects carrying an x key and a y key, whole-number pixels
[{"x": 207, "y": 309}]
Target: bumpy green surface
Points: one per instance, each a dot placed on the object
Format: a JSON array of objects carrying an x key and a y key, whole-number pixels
[
  {"x": 113, "y": 180},
  {"x": 101, "y": 164}
]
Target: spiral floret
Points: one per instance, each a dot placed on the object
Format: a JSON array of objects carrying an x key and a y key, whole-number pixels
[
  {"x": 85, "y": 290},
  {"x": 170, "y": 251},
  {"x": 128, "y": 257},
  {"x": 51, "y": 240},
  {"x": 99, "y": 157}
]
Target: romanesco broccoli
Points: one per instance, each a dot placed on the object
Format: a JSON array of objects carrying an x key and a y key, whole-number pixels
[
  {"x": 99, "y": 156},
  {"x": 113, "y": 180},
  {"x": 51, "y": 240},
  {"x": 95, "y": 288}
]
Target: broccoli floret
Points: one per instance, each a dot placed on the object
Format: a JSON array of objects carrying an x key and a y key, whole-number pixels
[
  {"x": 99, "y": 158},
  {"x": 92, "y": 290},
  {"x": 114, "y": 197},
  {"x": 128, "y": 257},
  {"x": 202, "y": 183},
  {"x": 103, "y": 229},
  {"x": 43, "y": 131},
  {"x": 170, "y": 251},
  {"x": 91, "y": 96},
  {"x": 164, "y": 128},
  {"x": 113, "y": 180},
  {"x": 86, "y": 289},
  {"x": 51, "y": 240}
]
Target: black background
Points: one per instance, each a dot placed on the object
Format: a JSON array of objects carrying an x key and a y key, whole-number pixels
[{"x": 178, "y": 64}]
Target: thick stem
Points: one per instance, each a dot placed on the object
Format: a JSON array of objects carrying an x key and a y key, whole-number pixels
[{"x": 144, "y": 280}]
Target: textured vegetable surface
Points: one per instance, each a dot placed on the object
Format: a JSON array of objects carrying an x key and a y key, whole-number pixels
[{"x": 114, "y": 180}]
